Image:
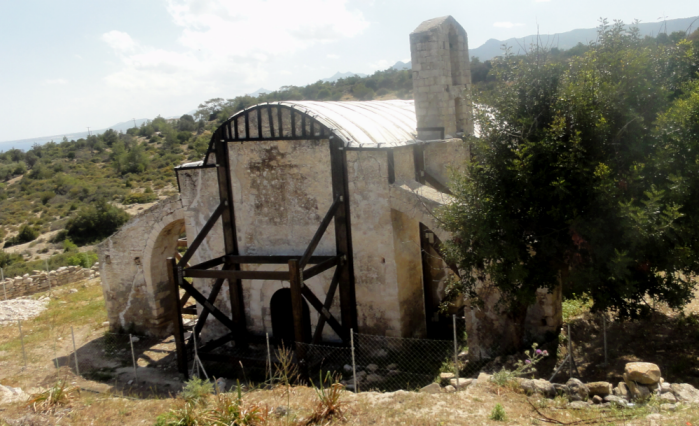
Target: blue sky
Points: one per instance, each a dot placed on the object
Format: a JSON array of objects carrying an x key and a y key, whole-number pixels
[{"x": 70, "y": 64}]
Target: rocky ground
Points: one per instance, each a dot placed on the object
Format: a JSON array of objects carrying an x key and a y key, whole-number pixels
[{"x": 21, "y": 309}]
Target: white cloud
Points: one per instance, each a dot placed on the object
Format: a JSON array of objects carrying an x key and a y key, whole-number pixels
[
  {"x": 507, "y": 25},
  {"x": 223, "y": 27},
  {"x": 333, "y": 56},
  {"x": 119, "y": 41},
  {"x": 541, "y": 1},
  {"x": 55, "y": 82},
  {"x": 225, "y": 48}
]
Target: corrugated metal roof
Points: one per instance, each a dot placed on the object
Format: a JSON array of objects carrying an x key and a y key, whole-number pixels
[{"x": 365, "y": 124}]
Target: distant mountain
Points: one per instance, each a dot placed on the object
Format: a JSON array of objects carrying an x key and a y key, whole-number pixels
[
  {"x": 399, "y": 66},
  {"x": 339, "y": 75},
  {"x": 259, "y": 92},
  {"x": 493, "y": 48},
  {"x": 25, "y": 144}
]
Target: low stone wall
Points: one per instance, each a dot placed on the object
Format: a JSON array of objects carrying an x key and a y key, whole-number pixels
[{"x": 39, "y": 280}]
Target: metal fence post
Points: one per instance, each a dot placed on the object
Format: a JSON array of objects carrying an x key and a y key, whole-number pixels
[
  {"x": 55, "y": 354},
  {"x": 48, "y": 278},
  {"x": 354, "y": 365},
  {"x": 75, "y": 351},
  {"x": 133, "y": 358},
  {"x": 456, "y": 355},
  {"x": 269, "y": 359},
  {"x": 21, "y": 339},
  {"x": 570, "y": 353},
  {"x": 2, "y": 273}
]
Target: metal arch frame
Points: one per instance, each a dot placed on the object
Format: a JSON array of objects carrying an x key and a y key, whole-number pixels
[{"x": 343, "y": 277}]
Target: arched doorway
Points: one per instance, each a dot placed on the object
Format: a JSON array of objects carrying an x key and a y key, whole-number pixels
[{"x": 283, "y": 317}]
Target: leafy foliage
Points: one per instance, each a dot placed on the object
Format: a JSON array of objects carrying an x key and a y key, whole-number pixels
[
  {"x": 586, "y": 175},
  {"x": 95, "y": 222}
]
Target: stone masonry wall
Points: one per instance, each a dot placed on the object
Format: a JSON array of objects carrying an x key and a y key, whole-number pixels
[{"x": 38, "y": 281}]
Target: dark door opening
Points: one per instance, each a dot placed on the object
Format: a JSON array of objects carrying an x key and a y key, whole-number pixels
[{"x": 283, "y": 317}]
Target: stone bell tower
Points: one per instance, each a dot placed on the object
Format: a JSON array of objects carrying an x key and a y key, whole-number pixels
[{"x": 441, "y": 79}]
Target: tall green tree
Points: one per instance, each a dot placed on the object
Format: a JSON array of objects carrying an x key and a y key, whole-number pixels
[{"x": 576, "y": 180}]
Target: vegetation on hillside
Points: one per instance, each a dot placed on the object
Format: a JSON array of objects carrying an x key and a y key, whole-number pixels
[{"x": 586, "y": 174}]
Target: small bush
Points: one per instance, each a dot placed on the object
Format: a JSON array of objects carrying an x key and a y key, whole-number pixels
[
  {"x": 26, "y": 234},
  {"x": 140, "y": 197},
  {"x": 96, "y": 222},
  {"x": 577, "y": 305},
  {"x": 498, "y": 413},
  {"x": 85, "y": 259},
  {"x": 196, "y": 390}
]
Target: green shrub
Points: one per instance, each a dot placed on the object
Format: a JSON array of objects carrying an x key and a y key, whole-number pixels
[
  {"x": 85, "y": 259},
  {"x": 140, "y": 197},
  {"x": 498, "y": 413},
  {"x": 95, "y": 222},
  {"x": 26, "y": 234},
  {"x": 576, "y": 305}
]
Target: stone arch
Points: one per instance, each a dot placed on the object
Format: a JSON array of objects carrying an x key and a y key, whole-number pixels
[{"x": 161, "y": 244}]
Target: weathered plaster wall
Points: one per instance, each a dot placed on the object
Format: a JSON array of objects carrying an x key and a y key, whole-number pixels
[
  {"x": 135, "y": 289},
  {"x": 281, "y": 190},
  {"x": 441, "y": 158},
  {"x": 375, "y": 269},
  {"x": 406, "y": 246}
]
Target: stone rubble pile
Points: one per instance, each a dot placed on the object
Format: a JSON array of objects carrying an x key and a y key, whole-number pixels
[
  {"x": 38, "y": 281},
  {"x": 9, "y": 395},
  {"x": 21, "y": 309},
  {"x": 641, "y": 380}
]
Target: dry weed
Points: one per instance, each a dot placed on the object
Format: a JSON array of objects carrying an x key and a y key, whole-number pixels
[
  {"x": 58, "y": 394},
  {"x": 330, "y": 403}
]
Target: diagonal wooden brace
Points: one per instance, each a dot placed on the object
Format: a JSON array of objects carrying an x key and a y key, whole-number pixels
[
  {"x": 202, "y": 234},
  {"x": 206, "y": 305},
  {"x": 332, "y": 322},
  {"x": 318, "y": 334}
]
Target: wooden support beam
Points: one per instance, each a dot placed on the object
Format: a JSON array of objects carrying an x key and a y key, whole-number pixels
[
  {"x": 295, "y": 285},
  {"x": 320, "y": 232},
  {"x": 214, "y": 344},
  {"x": 180, "y": 348},
  {"x": 182, "y": 242},
  {"x": 273, "y": 260},
  {"x": 320, "y": 268},
  {"x": 215, "y": 289},
  {"x": 184, "y": 300},
  {"x": 318, "y": 305},
  {"x": 318, "y": 335},
  {"x": 236, "y": 275},
  {"x": 189, "y": 311},
  {"x": 391, "y": 166},
  {"x": 230, "y": 238},
  {"x": 208, "y": 264},
  {"x": 436, "y": 244},
  {"x": 343, "y": 233},
  {"x": 203, "y": 233},
  {"x": 209, "y": 306}
]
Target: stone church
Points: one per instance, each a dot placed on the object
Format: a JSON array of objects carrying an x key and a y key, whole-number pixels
[{"x": 306, "y": 220}]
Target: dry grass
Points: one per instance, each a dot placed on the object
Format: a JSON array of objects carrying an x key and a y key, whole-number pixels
[{"x": 57, "y": 395}]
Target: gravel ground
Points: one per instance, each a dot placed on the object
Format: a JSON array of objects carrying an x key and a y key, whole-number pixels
[{"x": 20, "y": 309}]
